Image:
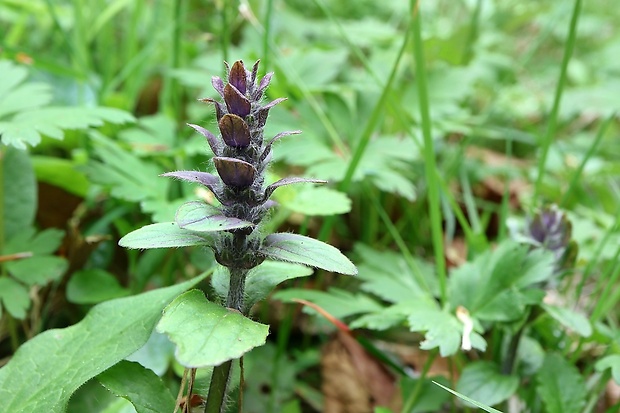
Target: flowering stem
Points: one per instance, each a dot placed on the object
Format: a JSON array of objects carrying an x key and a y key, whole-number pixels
[
  {"x": 217, "y": 389},
  {"x": 234, "y": 300}
]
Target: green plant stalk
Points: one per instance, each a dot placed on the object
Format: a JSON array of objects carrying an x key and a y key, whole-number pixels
[
  {"x": 225, "y": 38},
  {"x": 402, "y": 246},
  {"x": 170, "y": 94},
  {"x": 472, "y": 34},
  {"x": 505, "y": 197},
  {"x": 429, "y": 152},
  {"x": 217, "y": 388},
  {"x": 366, "y": 135},
  {"x": 553, "y": 117},
  {"x": 575, "y": 178},
  {"x": 267, "y": 35},
  {"x": 290, "y": 72},
  {"x": 413, "y": 397},
  {"x": 596, "y": 391},
  {"x": 221, "y": 373}
]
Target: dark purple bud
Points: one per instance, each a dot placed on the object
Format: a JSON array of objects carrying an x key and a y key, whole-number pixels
[
  {"x": 235, "y": 131},
  {"x": 237, "y": 77},
  {"x": 275, "y": 139},
  {"x": 218, "y": 85},
  {"x": 235, "y": 172},
  {"x": 220, "y": 110},
  {"x": 235, "y": 102},
  {"x": 287, "y": 181},
  {"x": 263, "y": 112},
  {"x": 210, "y": 137}
]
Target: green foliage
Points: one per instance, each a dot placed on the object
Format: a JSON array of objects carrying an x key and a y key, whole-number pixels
[
  {"x": 483, "y": 382},
  {"x": 23, "y": 120},
  {"x": 433, "y": 148},
  {"x": 69, "y": 357},
  {"x": 560, "y": 385},
  {"x": 33, "y": 266},
  {"x": 19, "y": 195},
  {"x": 146, "y": 392},
  {"x": 207, "y": 334},
  {"x": 162, "y": 235},
  {"x": 308, "y": 251},
  {"x": 94, "y": 286}
]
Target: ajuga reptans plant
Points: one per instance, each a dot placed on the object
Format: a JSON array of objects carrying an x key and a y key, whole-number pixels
[{"x": 232, "y": 229}]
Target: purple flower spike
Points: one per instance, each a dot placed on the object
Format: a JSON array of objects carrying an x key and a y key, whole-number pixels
[
  {"x": 235, "y": 172},
  {"x": 237, "y": 77},
  {"x": 235, "y": 131},
  {"x": 235, "y": 102}
]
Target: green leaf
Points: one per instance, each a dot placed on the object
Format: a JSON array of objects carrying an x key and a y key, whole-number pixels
[
  {"x": 139, "y": 385},
  {"x": 610, "y": 362},
  {"x": 337, "y": 302},
  {"x": 570, "y": 319},
  {"x": 94, "y": 286},
  {"x": 315, "y": 201},
  {"x": 162, "y": 235},
  {"x": 20, "y": 192},
  {"x": 207, "y": 334},
  {"x": 201, "y": 217},
  {"x": 156, "y": 354},
  {"x": 127, "y": 176},
  {"x": 61, "y": 173},
  {"x": 387, "y": 274},
  {"x": 39, "y": 243},
  {"x": 443, "y": 330},
  {"x": 496, "y": 285},
  {"x": 261, "y": 280},
  {"x": 431, "y": 398},
  {"x": 14, "y": 298},
  {"x": 467, "y": 399},
  {"x": 392, "y": 316},
  {"x": 482, "y": 381},
  {"x": 26, "y": 127},
  {"x": 38, "y": 270},
  {"x": 16, "y": 97},
  {"x": 47, "y": 369},
  {"x": 308, "y": 251},
  {"x": 560, "y": 385}
]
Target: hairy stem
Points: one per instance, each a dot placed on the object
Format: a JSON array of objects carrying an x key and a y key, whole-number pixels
[{"x": 234, "y": 300}]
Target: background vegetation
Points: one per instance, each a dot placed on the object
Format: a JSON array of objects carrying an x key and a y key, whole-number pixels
[{"x": 443, "y": 132}]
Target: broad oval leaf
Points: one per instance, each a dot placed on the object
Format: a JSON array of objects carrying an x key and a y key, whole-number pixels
[
  {"x": 46, "y": 370},
  {"x": 163, "y": 235},
  {"x": 483, "y": 382},
  {"x": 560, "y": 385},
  {"x": 207, "y": 334},
  {"x": 200, "y": 217},
  {"x": 141, "y": 386},
  {"x": 307, "y": 251}
]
